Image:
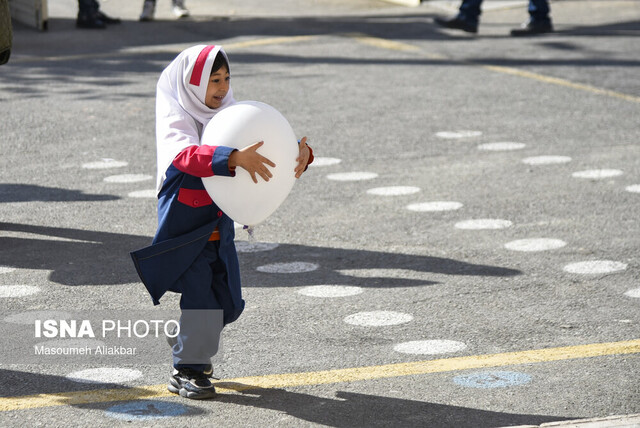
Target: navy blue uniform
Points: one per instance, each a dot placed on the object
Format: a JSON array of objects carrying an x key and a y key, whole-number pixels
[{"x": 182, "y": 257}]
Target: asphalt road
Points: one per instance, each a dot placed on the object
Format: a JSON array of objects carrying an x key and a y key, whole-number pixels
[{"x": 472, "y": 196}]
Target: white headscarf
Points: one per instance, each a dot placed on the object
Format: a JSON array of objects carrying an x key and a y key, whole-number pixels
[{"x": 181, "y": 112}]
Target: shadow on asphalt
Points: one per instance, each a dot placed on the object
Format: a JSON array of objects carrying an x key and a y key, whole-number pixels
[
  {"x": 17, "y": 383},
  {"x": 91, "y": 73},
  {"x": 208, "y": 28},
  {"x": 75, "y": 257},
  {"x": 346, "y": 410},
  {"x": 85, "y": 257},
  {"x": 357, "y": 267},
  {"x": 10, "y": 192},
  {"x": 349, "y": 409},
  {"x": 105, "y": 57},
  {"x": 63, "y": 38}
]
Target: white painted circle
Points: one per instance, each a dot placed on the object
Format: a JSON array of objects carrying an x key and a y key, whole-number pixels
[
  {"x": 457, "y": 134},
  {"x": 595, "y": 267},
  {"x": 27, "y": 318},
  {"x": 149, "y": 193},
  {"x": 535, "y": 244},
  {"x": 546, "y": 160},
  {"x": 105, "y": 164},
  {"x": 6, "y": 269},
  {"x": 435, "y": 206},
  {"x": 254, "y": 247},
  {"x": 393, "y": 191},
  {"x": 492, "y": 379},
  {"x": 105, "y": 375},
  {"x": 352, "y": 176},
  {"x": 18, "y": 290},
  {"x": 483, "y": 223},
  {"x": 378, "y": 318},
  {"x": 597, "y": 174},
  {"x": 634, "y": 188},
  {"x": 146, "y": 410},
  {"x": 330, "y": 291},
  {"x": 501, "y": 147},
  {"x": 429, "y": 347},
  {"x": 325, "y": 162},
  {"x": 291, "y": 267},
  {"x": 635, "y": 293},
  {"x": 127, "y": 178}
]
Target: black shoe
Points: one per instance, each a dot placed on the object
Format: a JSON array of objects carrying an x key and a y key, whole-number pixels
[
  {"x": 107, "y": 19},
  {"x": 90, "y": 21},
  {"x": 192, "y": 384},
  {"x": 458, "y": 24},
  {"x": 531, "y": 28},
  {"x": 208, "y": 369},
  {"x": 4, "y": 56}
]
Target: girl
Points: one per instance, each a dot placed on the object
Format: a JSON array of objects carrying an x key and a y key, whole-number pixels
[{"x": 193, "y": 252}]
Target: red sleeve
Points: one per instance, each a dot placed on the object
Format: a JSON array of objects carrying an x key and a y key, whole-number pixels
[
  {"x": 204, "y": 161},
  {"x": 310, "y": 158}
]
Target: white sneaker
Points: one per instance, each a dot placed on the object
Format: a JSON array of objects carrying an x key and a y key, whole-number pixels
[
  {"x": 148, "y": 10},
  {"x": 179, "y": 10}
]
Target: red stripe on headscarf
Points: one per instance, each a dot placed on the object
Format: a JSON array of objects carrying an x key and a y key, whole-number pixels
[{"x": 199, "y": 66}]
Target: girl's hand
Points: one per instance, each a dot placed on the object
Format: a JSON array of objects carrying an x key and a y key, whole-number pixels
[
  {"x": 303, "y": 158},
  {"x": 252, "y": 161}
]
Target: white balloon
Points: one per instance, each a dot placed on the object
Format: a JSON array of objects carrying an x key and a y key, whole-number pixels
[{"x": 242, "y": 125}]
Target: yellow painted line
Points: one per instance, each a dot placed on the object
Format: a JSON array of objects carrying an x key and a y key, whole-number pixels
[
  {"x": 382, "y": 43},
  {"x": 288, "y": 380},
  {"x": 397, "y": 46},
  {"x": 268, "y": 41},
  {"x": 561, "y": 82}
]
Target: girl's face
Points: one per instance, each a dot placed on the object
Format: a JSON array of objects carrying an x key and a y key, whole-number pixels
[{"x": 217, "y": 88}]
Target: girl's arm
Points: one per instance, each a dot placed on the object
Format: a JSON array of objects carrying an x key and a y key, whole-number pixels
[{"x": 206, "y": 161}]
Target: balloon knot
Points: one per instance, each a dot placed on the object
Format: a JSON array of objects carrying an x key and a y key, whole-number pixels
[{"x": 250, "y": 230}]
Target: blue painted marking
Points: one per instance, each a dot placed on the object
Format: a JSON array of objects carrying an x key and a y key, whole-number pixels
[
  {"x": 145, "y": 410},
  {"x": 496, "y": 379}
]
